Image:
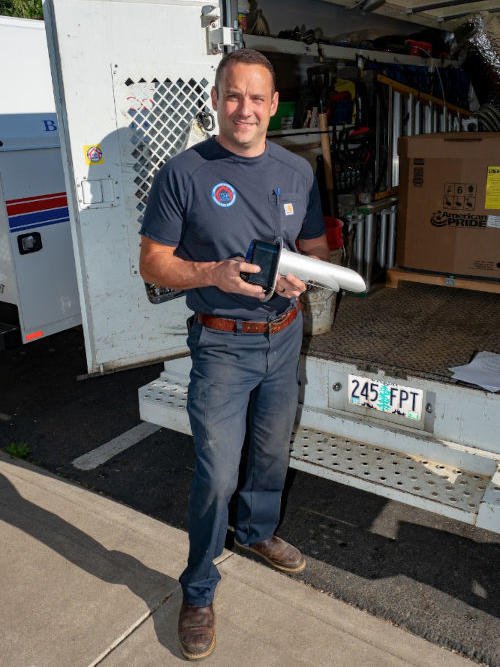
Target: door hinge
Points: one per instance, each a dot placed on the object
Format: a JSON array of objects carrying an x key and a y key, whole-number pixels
[{"x": 219, "y": 36}]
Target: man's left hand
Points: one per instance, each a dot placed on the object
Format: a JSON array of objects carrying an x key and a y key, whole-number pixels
[{"x": 289, "y": 286}]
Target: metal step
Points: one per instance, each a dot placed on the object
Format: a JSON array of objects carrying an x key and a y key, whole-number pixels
[{"x": 431, "y": 485}]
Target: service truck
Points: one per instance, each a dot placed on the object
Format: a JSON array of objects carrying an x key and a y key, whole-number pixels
[
  {"x": 38, "y": 288},
  {"x": 129, "y": 79}
]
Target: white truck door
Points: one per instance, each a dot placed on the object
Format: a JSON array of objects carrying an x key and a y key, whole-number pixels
[{"x": 129, "y": 77}]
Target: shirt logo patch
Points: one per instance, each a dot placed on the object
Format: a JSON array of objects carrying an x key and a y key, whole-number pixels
[
  {"x": 288, "y": 208},
  {"x": 224, "y": 194}
]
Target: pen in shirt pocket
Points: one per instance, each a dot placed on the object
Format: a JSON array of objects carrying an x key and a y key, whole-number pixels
[{"x": 277, "y": 192}]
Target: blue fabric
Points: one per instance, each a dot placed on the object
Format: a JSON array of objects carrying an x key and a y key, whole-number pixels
[
  {"x": 238, "y": 382},
  {"x": 210, "y": 204}
]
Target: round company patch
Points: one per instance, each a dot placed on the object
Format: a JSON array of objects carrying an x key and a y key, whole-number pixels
[{"x": 224, "y": 194}]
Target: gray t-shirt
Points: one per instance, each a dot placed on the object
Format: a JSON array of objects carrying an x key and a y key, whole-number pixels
[{"x": 210, "y": 204}]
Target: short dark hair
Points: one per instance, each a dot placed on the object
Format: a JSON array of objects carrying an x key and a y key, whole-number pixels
[{"x": 248, "y": 57}]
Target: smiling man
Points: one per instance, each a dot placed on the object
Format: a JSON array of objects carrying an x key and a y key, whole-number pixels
[
  {"x": 245, "y": 99},
  {"x": 205, "y": 207}
]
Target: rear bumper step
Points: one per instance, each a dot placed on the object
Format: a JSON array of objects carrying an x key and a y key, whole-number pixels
[{"x": 435, "y": 486}]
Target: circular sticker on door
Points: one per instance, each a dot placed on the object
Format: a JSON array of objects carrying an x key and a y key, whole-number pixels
[{"x": 93, "y": 154}]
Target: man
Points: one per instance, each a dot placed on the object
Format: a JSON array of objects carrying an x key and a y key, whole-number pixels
[{"x": 205, "y": 207}]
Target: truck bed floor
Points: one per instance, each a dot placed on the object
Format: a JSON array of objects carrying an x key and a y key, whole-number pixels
[{"x": 418, "y": 330}]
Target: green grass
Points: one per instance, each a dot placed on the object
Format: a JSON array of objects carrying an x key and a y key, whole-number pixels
[
  {"x": 18, "y": 449},
  {"x": 28, "y": 9}
]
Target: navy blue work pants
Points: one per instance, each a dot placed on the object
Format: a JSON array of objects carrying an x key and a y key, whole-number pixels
[{"x": 235, "y": 377}]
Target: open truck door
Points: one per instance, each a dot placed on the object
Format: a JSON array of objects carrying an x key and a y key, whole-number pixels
[{"x": 129, "y": 78}]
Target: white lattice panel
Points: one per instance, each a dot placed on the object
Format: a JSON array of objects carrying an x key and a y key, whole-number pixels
[
  {"x": 158, "y": 112},
  {"x": 155, "y": 112}
]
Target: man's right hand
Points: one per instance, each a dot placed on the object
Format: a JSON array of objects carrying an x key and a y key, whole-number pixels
[
  {"x": 228, "y": 279},
  {"x": 160, "y": 265}
]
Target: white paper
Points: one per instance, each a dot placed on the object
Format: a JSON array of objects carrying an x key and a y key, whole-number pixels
[
  {"x": 493, "y": 221},
  {"x": 483, "y": 370}
]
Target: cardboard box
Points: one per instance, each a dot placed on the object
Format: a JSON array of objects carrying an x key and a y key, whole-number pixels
[{"x": 449, "y": 188}]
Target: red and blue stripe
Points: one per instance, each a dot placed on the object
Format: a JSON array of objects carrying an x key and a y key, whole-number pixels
[{"x": 37, "y": 211}]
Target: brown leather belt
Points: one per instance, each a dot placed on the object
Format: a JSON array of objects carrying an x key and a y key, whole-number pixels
[{"x": 272, "y": 327}]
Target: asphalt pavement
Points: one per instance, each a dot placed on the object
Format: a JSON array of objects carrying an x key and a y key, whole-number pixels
[{"x": 433, "y": 577}]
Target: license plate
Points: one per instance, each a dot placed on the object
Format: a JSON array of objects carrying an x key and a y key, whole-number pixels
[{"x": 393, "y": 399}]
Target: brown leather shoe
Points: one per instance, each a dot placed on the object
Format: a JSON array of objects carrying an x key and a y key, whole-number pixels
[
  {"x": 196, "y": 631},
  {"x": 278, "y": 553}
]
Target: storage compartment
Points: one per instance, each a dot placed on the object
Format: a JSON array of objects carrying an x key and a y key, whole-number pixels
[{"x": 450, "y": 203}]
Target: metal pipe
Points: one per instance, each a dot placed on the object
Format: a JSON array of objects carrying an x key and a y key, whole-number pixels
[
  {"x": 369, "y": 249},
  {"x": 359, "y": 230},
  {"x": 418, "y": 113},
  {"x": 428, "y": 118},
  {"x": 377, "y": 136},
  {"x": 390, "y": 120},
  {"x": 410, "y": 115},
  {"x": 396, "y": 133},
  {"x": 369, "y": 5},
  {"x": 382, "y": 241},
  {"x": 391, "y": 242},
  {"x": 450, "y": 117},
  {"x": 443, "y": 120},
  {"x": 437, "y": 5},
  {"x": 452, "y": 17}
]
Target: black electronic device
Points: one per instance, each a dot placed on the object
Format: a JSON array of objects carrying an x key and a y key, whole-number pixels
[{"x": 266, "y": 255}]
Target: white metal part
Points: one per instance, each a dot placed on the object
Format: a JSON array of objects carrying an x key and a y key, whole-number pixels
[
  {"x": 220, "y": 37},
  {"x": 320, "y": 272},
  {"x": 460, "y": 483},
  {"x": 124, "y": 109}
]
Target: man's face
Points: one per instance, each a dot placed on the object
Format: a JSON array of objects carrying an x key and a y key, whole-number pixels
[{"x": 244, "y": 103}]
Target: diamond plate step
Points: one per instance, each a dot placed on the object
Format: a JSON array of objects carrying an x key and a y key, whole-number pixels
[
  {"x": 414, "y": 480},
  {"x": 375, "y": 465}
]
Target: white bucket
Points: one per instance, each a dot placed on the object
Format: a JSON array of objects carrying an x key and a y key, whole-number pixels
[
  {"x": 318, "y": 305},
  {"x": 318, "y": 308}
]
